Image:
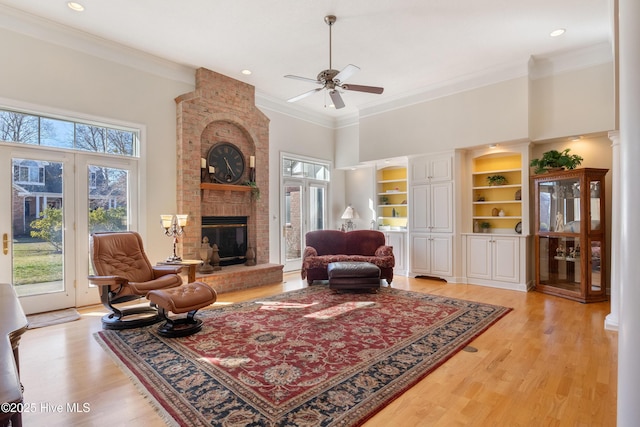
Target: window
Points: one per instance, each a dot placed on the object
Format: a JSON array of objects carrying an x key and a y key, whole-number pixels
[
  {"x": 29, "y": 172},
  {"x": 303, "y": 169},
  {"x": 25, "y": 128}
]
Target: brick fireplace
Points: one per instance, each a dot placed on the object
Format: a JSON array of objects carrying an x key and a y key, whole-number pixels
[{"x": 222, "y": 109}]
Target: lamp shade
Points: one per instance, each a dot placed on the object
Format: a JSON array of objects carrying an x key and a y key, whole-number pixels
[{"x": 349, "y": 213}]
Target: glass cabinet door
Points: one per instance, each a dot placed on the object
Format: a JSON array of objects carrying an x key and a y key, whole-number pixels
[{"x": 559, "y": 206}]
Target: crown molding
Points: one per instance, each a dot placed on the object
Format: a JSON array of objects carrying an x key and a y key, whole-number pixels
[
  {"x": 268, "y": 102},
  {"x": 33, "y": 26},
  {"x": 541, "y": 66}
]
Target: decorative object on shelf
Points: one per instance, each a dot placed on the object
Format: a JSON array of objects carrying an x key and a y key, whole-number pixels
[
  {"x": 494, "y": 212},
  {"x": 518, "y": 195},
  {"x": 252, "y": 168},
  {"x": 556, "y": 160},
  {"x": 349, "y": 214},
  {"x": 501, "y": 213},
  {"x": 212, "y": 174},
  {"x": 203, "y": 170},
  {"x": 394, "y": 213},
  {"x": 480, "y": 199},
  {"x": 519, "y": 227},
  {"x": 173, "y": 227},
  {"x": 485, "y": 226},
  {"x": 250, "y": 257},
  {"x": 496, "y": 180},
  {"x": 255, "y": 191},
  {"x": 384, "y": 200},
  {"x": 476, "y": 227},
  {"x": 559, "y": 222},
  {"x": 404, "y": 202},
  {"x": 227, "y": 161},
  {"x": 205, "y": 255}
]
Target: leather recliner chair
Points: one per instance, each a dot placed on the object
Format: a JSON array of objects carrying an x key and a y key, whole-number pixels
[{"x": 123, "y": 274}]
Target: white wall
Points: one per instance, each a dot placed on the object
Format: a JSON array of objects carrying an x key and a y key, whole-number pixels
[
  {"x": 493, "y": 113},
  {"x": 575, "y": 102}
]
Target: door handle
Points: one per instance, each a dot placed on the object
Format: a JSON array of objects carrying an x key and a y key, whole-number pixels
[{"x": 5, "y": 243}]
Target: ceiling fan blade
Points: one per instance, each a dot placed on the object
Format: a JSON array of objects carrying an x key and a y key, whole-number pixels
[
  {"x": 304, "y": 79},
  {"x": 304, "y": 95},
  {"x": 346, "y": 72},
  {"x": 337, "y": 99},
  {"x": 360, "y": 88}
]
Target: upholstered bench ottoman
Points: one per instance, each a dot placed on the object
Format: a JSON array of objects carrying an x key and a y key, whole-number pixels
[
  {"x": 349, "y": 275},
  {"x": 188, "y": 299}
]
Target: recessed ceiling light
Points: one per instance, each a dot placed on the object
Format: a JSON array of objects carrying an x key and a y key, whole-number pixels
[
  {"x": 558, "y": 32},
  {"x": 493, "y": 145},
  {"x": 75, "y": 6},
  {"x": 246, "y": 72}
]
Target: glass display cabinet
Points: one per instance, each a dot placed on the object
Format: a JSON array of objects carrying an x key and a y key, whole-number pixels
[{"x": 570, "y": 234}]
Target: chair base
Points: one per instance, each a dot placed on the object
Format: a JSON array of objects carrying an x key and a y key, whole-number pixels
[
  {"x": 175, "y": 328},
  {"x": 147, "y": 316}
]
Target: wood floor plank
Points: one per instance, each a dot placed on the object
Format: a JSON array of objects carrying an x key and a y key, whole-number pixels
[{"x": 548, "y": 362}]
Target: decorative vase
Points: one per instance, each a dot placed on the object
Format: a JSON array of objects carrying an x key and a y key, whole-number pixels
[
  {"x": 494, "y": 212},
  {"x": 250, "y": 256},
  {"x": 476, "y": 227}
]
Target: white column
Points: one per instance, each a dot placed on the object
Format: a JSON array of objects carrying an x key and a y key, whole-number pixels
[
  {"x": 612, "y": 320},
  {"x": 629, "y": 327}
]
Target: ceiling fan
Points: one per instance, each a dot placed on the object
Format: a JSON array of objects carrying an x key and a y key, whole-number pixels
[{"x": 333, "y": 79}]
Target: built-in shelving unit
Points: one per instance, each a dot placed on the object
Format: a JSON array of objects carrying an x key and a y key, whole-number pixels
[
  {"x": 499, "y": 205},
  {"x": 392, "y": 197}
]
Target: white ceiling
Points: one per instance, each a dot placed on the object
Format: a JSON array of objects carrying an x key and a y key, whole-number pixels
[{"x": 406, "y": 46}]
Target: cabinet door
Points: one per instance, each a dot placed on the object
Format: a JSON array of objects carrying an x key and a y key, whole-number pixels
[
  {"x": 506, "y": 259},
  {"x": 419, "y": 217},
  {"x": 440, "y": 169},
  {"x": 441, "y": 255},
  {"x": 479, "y": 257},
  {"x": 441, "y": 208},
  {"x": 419, "y": 168},
  {"x": 420, "y": 262},
  {"x": 396, "y": 240}
]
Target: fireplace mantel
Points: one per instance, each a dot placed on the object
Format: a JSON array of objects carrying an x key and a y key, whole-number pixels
[{"x": 224, "y": 187}]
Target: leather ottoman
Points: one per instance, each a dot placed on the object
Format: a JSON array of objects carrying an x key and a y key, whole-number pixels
[
  {"x": 350, "y": 275},
  {"x": 188, "y": 299}
]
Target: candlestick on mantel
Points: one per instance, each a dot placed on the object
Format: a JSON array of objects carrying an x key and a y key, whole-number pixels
[
  {"x": 212, "y": 176},
  {"x": 212, "y": 169},
  {"x": 252, "y": 161},
  {"x": 203, "y": 169}
]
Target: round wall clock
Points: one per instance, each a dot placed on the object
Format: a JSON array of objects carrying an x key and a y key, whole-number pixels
[{"x": 228, "y": 161}]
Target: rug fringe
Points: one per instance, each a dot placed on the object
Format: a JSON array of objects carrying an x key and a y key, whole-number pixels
[{"x": 168, "y": 419}]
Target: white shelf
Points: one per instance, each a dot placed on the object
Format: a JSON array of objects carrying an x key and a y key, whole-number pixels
[
  {"x": 493, "y": 172},
  {"x": 497, "y": 202},
  {"x": 391, "y": 181},
  {"x": 493, "y": 187}
]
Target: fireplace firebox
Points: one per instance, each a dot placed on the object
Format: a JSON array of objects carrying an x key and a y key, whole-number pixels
[{"x": 230, "y": 234}]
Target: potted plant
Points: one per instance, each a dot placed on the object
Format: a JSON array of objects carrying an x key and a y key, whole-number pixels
[
  {"x": 485, "y": 226},
  {"x": 496, "y": 180},
  {"x": 255, "y": 191},
  {"x": 555, "y": 159},
  {"x": 384, "y": 200}
]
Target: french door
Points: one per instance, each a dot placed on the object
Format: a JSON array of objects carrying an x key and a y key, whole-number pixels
[
  {"x": 50, "y": 201},
  {"x": 304, "y": 207}
]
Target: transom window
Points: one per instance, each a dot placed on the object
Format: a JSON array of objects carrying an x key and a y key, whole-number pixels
[
  {"x": 305, "y": 169},
  {"x": 32, "y": 129}
]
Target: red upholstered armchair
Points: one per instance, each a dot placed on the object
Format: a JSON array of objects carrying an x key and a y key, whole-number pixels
[
  {"x": 123, "y": 273},
  {"x": 326, "y": 246}
]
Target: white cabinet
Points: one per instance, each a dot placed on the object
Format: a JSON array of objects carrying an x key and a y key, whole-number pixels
[
  {"x": 398, "y": 241},
  {"x": 432, "y": 208},
  {"x": 431, "y": 169},
  {"x": 494, "y": 259},
  {"x": 431, "y": 255}
]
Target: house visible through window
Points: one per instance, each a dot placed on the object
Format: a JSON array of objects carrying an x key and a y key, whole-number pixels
[{"x": 29, "y": 172}]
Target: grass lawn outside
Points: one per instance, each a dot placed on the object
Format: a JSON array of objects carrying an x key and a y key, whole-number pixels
[{"x": 35, "y": 261}]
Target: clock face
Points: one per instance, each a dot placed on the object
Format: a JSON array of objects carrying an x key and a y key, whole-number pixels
[{"x": 228, "y": 162}]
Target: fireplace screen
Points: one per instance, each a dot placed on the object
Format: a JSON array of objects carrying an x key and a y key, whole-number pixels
[{"x": 230, "y": 234}]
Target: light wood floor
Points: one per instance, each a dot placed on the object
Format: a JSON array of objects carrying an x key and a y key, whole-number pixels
[{"x": 547, "y": 363}]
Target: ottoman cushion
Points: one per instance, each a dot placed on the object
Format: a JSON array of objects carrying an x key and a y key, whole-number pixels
[
  {"x": 182, "y": 299},
  {"x": 353, "y": 275}
]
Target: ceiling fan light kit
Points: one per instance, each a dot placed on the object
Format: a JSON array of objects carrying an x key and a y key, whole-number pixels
[{"x": 332, "y": 80}]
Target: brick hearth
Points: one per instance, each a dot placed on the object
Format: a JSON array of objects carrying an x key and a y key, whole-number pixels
[{"x": 222, "y": 109}]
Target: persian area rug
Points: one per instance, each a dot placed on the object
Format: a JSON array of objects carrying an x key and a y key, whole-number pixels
[
  {"x": 303, "y": 358},
  {"x": 49, "y": 318}
]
